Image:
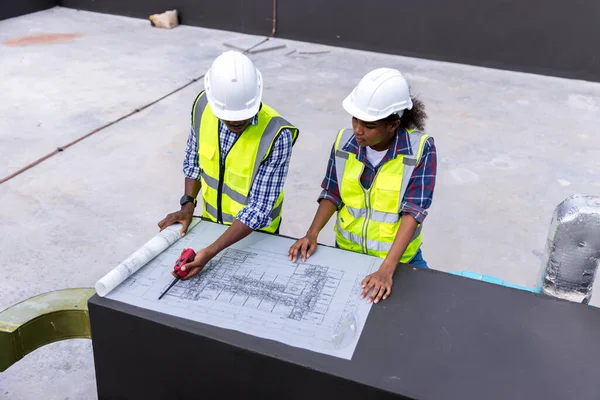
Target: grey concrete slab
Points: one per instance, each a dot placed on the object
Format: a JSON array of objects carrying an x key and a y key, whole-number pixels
[
  {"x": 55, "y": 91},
  {"x": 511, "y": 147},
  {"x": 94, "y": 203}
]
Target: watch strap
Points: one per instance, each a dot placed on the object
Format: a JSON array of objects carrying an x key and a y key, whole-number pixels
[{"x": 187, "y": 199}]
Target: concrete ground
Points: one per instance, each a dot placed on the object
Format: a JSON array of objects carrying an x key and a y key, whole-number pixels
[{"x": 511, "y": 146}]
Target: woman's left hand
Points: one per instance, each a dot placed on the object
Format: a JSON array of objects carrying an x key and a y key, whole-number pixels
[{"x": 380, "y": 282}]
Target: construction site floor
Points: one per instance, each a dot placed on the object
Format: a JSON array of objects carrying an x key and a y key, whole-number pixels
[{"x": 511, "y": 146}]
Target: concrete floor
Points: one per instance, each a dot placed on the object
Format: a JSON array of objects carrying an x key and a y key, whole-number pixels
[{"x": 511, "y": 147}]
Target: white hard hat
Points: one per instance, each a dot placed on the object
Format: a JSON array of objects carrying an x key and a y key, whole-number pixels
[
  {"x": 380, "y": 93},
  {"x": 233, "y": 87}
]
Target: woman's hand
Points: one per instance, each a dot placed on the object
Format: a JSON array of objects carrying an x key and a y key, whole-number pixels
[
  {"x": 305, "y": 246},
  {"x": 380, "y": 282}
]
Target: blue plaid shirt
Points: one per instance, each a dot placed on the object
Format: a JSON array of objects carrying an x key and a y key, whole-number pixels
[
  {"x": 270, "y": 176},
  {"x": 419, "y": 193}
]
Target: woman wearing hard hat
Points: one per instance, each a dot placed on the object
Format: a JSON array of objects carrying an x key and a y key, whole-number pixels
[{"x": 380, "y": 179}]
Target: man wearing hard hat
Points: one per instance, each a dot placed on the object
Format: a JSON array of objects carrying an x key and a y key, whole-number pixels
[
  {"x": 237, "y": 153},
  {"x": 380, "y": 180}
]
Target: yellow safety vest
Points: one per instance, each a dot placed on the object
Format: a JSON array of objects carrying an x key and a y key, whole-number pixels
[
  {"x": 225, "y": 188},
  {"x": 369, "y": 218}
]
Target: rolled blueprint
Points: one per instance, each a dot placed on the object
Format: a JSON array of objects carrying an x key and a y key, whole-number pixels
[
  {"x": 141, "y": 257},
  {"x": 572, "y": 251}
]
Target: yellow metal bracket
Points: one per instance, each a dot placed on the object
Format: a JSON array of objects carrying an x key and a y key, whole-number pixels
[{"x": 41, "y": 320}]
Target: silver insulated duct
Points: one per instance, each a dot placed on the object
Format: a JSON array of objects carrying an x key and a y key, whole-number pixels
[{"x": 572, "y": 251}]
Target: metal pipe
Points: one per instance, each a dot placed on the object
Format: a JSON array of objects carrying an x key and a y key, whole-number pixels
[
  {"x": 41, "y": 320},
  {"x": 273, "y": 30},
  {"x": 572, "y": 254},
  {"x": 274, "y": 19}
]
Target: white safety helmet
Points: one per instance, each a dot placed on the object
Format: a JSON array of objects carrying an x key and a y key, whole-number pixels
[
  {"x": 379, "y": 94},
  {"x": 233, "y": 87}
]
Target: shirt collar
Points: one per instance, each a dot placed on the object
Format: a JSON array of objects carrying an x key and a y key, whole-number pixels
[{"x": 401, "y": 145}]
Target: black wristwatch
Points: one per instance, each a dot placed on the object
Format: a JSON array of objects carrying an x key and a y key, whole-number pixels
[{"x": 187, "y": 199}]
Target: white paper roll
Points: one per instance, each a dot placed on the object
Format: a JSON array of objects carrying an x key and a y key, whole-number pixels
[{"x": 141, "y": 257}]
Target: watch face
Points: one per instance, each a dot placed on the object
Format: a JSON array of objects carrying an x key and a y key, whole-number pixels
[{"x": 186, "y": 199}]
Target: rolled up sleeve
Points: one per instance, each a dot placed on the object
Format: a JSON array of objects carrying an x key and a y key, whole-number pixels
[
  {"x": 419, "y": 193},
  {"x": 331, "y": 190},
  {"x": 191, "y": 161}
]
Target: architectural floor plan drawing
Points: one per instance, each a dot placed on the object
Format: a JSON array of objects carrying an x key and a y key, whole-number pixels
[{"x": 252, "y": 287}]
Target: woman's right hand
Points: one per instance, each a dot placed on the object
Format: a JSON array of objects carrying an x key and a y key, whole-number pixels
[{"x": 305, "y": 246}]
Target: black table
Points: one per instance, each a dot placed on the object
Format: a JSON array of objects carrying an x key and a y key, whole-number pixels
[{"x": 439, "y": 336}]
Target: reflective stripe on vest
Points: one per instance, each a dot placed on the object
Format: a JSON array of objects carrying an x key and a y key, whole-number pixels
[
  {"x": 374, "y": 218},
  {"x": 371, "y": 244},
  {"x": 225, "y": 184},
  {"x": 229, "y": 218},
  {"x": 380, "y": 216}
]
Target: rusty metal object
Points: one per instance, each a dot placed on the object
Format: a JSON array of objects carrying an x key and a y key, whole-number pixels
[{"x": 41, "y": 320}]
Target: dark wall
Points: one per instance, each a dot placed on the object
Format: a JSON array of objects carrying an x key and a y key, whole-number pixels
[
  {"x": 541, "y": 36},
  {"x": 14, "y": 8},
  {"x": 245, "y": 16}
]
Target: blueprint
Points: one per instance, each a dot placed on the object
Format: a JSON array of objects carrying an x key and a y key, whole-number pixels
[{"x": 253, "y": 288}]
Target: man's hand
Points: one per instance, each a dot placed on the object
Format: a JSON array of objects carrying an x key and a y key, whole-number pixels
[
  {"x": 202, "y": 258},
  {"x": 380, "y": 282},
  {"x": 306, "y": 246},
  {"x": 184, "y": 217}
]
